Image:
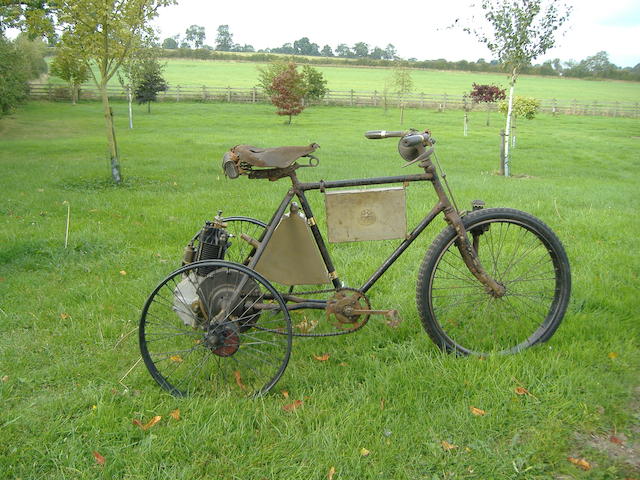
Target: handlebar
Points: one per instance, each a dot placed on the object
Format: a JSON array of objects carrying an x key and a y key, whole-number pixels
[
  {"x": 376, "y": 134},
  {"x": 409, "y": 138}
]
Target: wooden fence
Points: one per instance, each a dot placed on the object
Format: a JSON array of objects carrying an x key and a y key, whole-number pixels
[{"x": 441, "y": 102}]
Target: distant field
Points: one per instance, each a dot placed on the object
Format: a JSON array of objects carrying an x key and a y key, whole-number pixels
[{"x": 245, "y": 74}]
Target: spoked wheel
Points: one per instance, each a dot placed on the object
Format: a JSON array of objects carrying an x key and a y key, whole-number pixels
[
  {"x": 215, "y": 325},
  {"x": 522, "y": 254}
]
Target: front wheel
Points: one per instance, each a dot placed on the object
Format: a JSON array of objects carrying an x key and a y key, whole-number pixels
[
  {"x": 518, "y": 251},
  {"x": 226, "y": 329}
]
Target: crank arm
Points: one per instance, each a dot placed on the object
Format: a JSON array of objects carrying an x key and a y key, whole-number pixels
[{"x": 392, "y": 315}]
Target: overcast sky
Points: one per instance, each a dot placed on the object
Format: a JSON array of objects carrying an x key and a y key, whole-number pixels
[{"x": 416, "y": 30}]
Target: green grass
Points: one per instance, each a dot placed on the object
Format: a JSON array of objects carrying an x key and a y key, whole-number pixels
[
  {"x": 68, "y": 317},
  {"x": 245, "y": 74}
]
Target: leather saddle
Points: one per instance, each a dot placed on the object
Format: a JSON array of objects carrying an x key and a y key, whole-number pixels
[{"x": 242, "y": 157}]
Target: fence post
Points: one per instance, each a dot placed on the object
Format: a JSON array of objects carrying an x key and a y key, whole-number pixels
[
  {"x": 375, "y": 98},
  {"x": 554, "y": 109},
  {"x": 421, "y": 99},
  {"x": 502, "y": 152},
  {"x": 444, "y": 107},
  {"x": 229, "y": 94},
  {"x": 351, "y": 98},
  {"x": 253, "y": 95},
  {"x": 204, "y": 93},
  {"x": 178, "y": 94}
]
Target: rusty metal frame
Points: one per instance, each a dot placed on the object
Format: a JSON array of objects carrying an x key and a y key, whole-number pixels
[{"x": 444, "y": 205}]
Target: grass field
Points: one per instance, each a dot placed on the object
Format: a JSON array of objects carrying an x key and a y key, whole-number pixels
[
  {"x": 245, "y": 74},
  {"x": 71, "y": 385}
]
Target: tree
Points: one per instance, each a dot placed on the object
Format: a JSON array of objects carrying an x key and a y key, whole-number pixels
[
  {"x": 598, "y": 65},
  {"x": 487, "y": 94},
  {"x": 402, "y": 84},
  {"x": 305, "y": 47},
  {"x": 517, "y": 32},
  {"x": 224, "y": 40},
  {"x": 36, "y": 17},
  {"x": 390, "y": 52},
  {"x": 195, "y": 36},
  {"x": 288, "y": 91},
  {"x": 104, "y": 34},
  {"x": 14, "y": 75},
  {"x": 71, "y": 69},
  {"x": 522, "y": 107},
  {"x": 315, "y": 85},
  {"x": 377, "y": 53},
  {"x": 148, "y": 81},
  {"x": 361, "y": 50},
  {"x": 343, "y": 50},
  {"x": 313, "y": 82},
  {"x": 170, "y": 43},
  {"x": 326, "y": 51}
]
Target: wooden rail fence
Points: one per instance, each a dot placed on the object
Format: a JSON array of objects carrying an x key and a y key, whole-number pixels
[{"x": 353, "y": 98}]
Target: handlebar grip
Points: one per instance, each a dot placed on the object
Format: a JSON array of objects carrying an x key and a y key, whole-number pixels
[{"x": 377, "y": 134}]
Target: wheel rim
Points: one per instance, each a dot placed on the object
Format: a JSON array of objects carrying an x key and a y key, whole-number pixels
[
  {"x": 192, "y": 339},
  {"x": 471, "y": 320},
  {"x": 239, "y": 251}
]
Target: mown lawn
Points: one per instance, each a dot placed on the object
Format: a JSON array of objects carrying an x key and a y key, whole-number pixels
[{"x": 71, "y": 383}]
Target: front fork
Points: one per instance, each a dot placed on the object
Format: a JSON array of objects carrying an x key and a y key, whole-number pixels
[{"x": 469, "y": 253}]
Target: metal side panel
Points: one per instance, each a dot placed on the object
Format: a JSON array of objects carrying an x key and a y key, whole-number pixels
[
  {"x": 371, "y": 214},
  {"x": 292, "y": 257}
]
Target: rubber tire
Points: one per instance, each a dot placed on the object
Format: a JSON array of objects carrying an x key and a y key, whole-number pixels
[{"x": 445, "y": 240}]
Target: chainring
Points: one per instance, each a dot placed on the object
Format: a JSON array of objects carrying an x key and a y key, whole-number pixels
[{"x": 340, "y": 305}]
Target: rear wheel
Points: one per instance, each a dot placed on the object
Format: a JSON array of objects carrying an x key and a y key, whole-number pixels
[
  {"x": 228, "y": 329},
  {"x": 521, "y": 253}
]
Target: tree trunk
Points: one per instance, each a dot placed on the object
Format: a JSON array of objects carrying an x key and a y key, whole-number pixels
[
  {"x": 148, "y": 107},
  {"x": 507, "y": 130},
  {"x": 130, "y": 109},
  {"x": 111, "y": 135},
  {"x": 466, "y": 124},
  {"x": 488, "y": 113}
]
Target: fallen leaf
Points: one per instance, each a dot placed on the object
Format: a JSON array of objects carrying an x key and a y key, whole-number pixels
[
  {"x": 64, "y": 316},
  {"x": 285, "y": 394},
  {"x": 322, "y": 358},
  {"x": 236, "y": 374},
  {"x": 613, "y": 355},
  {"x": 5, "y": 378},
  {"x": 290, "y": 407},
  {"x": 382, "y": 404},
  {"x": 343, "y": 364},
  {"x": 147, "y": 425},
  {"x": 522, "y": 391},
  {"x": 616, "y": 440},
  {"x": 1, "y": 279},
  {"x": 175, "y": 414},
  {"x": 580, "y": 462},
  {"x": 477, "y": 411},
  {"x": 41, "y": 190},
  {"x": 364, "y": 452},
  {"x": 94, "y": 407},
  {"x": 175, "y": 358},
  {"x": 332, "y": 472},
  {"x": 123, "y": 272},
  {"x": 100, "y": 460},
  {"x": 447, "y": 446}
]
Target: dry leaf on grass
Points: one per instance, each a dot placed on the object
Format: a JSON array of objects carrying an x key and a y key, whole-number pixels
[
  {"x": 238, "y": 378},
  {"x": 332, "y": 472},
  {"x": 5, "y": 378},
  {"x": 175, "y": 414},
  {"x": 322, "y": 358},
  {"x": 64, "y": 316},
  {"x": 290, "y": 407},
  {"x": 285, "y": 394},
  {"x": 616, "y": 440},
  {"x": 175, "y": 358},
  {"x": 447, "y": 446},
  {"x": 522, "y": 391},
  {"x": 613, "y": 355},
  {"x": 364, "y": 452},
  {"x": 147, "y": 425},
  {"x": 477, "y": 411},
  {"x": 580, "y": 462},
  {"x": 100, "y": 460},
  {"x": 123, "y": 272},
  {"x": 382, "y": 404}
]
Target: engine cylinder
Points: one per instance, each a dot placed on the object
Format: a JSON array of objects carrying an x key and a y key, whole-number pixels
[{"x": 213, "y": 243}]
